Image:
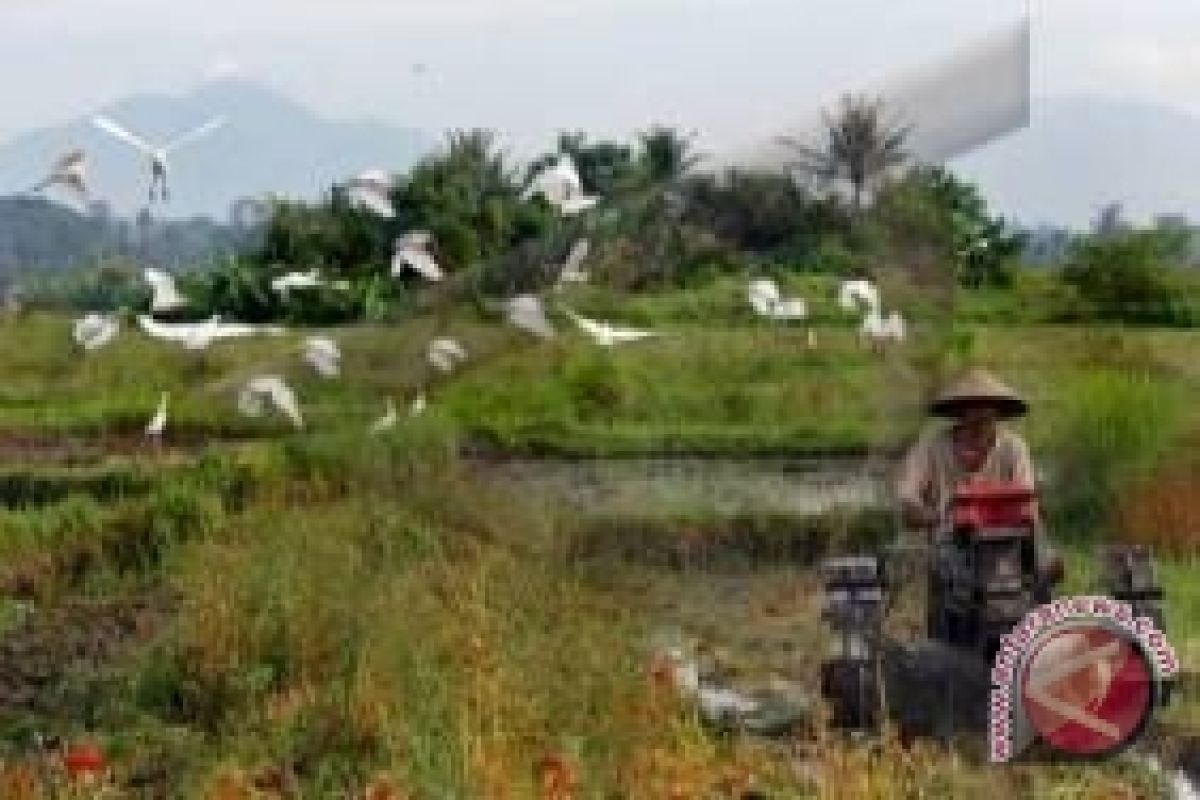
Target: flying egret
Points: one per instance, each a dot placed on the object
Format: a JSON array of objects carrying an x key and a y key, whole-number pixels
[
  {"x": 412, "y": 252},
  {"x": 323, "y": 355},
  {"x": 93, "y": 331},
  {"x": 766, "y": 300},
  {"x": 858, "y": 295},
  {"x": 388, "y": 420},
  {"x": 157, "y": 155},
  {"x": 559, "y": 184},
  {"x": 446, "y": 354},
  {"x": 527, "y": 313},
  {"x": 371, "y": 190},
  {"x": 606, "y": 334},
  {"x": 166, "y": 296},
  {"x": 158, "y": 423},
  {"x": 269, "y": 389},
  {"x": 70, "y": 172},
  {"x": 199, "y": 335},
  {"x": 572, "y": 269},
  {"x": 304, "y": 280}
]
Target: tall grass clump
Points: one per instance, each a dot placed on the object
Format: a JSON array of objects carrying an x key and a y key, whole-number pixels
[{"x": 1111, "y": 426}]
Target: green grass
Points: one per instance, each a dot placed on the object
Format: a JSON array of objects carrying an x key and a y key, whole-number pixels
[{"x": 352, "y": 610}]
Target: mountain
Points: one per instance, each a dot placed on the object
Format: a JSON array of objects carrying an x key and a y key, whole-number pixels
[
  {"x": 269, "y": 144},
  {"x": 1082, "y": 153}
]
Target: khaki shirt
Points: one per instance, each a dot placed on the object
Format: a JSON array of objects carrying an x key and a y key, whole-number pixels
[{"x": 930, "y": 473}]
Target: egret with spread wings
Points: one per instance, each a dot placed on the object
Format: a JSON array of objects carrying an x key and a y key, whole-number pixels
[{"x": 157, "y": 154}]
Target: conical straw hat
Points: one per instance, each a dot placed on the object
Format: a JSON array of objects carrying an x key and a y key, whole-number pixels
[{"x": 978, "y": 387}]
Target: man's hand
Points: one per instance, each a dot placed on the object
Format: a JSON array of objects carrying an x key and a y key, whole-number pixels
[{"x": 918, "y": 515}]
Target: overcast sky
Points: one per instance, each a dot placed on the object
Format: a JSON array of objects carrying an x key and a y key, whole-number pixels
[{"x": 726, "y": 68}]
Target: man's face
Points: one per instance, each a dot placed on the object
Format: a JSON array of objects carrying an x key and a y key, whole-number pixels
[{"x": 978, "y": 419}]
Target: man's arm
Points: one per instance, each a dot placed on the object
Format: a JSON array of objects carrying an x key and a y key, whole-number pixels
[{"x": 912, "y": 486}]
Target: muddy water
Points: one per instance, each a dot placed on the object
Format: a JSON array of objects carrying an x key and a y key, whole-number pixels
[{"x": 667, "y": 485}]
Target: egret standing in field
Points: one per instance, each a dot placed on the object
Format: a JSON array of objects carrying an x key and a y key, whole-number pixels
[
  {"x": 767, "y": 301},
  {"x": 71, "y": 173},
  {"x": 412, "y": 252},
  {"x": 157, "y": 155},
  {"x": 446, "y": 354},
  {"x": 158, "y": 423},
  {"x": 561, "y": 187},
  {"x": 323, "y": 355},
  {"x": 858, "y": 295},
  {"x": 273, "y": 390},
  {"x": 572, "y": 270},
  {"x": 372, "y": 190},
  {"x": 94, "y": 331},
  {"x": 388, "y": 420},
  {"x": 527, "y": 313},
  {"x": 418, "y": 405},
  {"x": 606, "y": 334},
  {"x": 166, "y": 296}
]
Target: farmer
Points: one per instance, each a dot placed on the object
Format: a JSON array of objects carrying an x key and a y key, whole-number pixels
[{"x": 974, "y": 445}]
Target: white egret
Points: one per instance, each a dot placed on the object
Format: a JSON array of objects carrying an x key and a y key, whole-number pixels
[
  {"x": 388, "y": 420},
  {"x": 418, "y": 406},
  {"x": 304, "y": 280},
  {"x": 165, "y": 296},
  {"x": 371, "y": 190},
  {"x": 199, "y": 335},
  {"x": 158, "y": 423},
  {"x": 766, "y": 300},
  {"x": 269, "y": 389},
  {"x": 446, "y": 354},
  {"x": 157, "y": 155},
  {"x": 70, "y": 172},
  {"x": 323, "y": 355},
  {"x": 527, "y": 313},
  {"x": 572, "y": 270},
  {"x": 878, "y": 331},
  {"x": 412, "y": 252},
  {"x": 561, "y": 187},
  {"x": 606, "y": 334},
  {"x": 858, "y": 295},
  {"x": 93, "y": 331}
]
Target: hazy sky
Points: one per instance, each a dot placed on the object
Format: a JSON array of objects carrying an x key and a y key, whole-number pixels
[{"x": 730, "y": 69}]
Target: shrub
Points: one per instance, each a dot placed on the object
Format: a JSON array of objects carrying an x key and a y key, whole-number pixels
[{"x": 1124, "y": 277}]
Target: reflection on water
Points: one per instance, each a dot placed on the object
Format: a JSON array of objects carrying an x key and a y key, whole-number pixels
[{"x": 683, "y": 484}]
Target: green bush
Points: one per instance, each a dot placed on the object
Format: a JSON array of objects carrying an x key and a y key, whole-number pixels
[{"x": 1125, "y": 278}]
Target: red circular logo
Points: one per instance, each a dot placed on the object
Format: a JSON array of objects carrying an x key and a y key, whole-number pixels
[{"x": 1087, "y": 689}]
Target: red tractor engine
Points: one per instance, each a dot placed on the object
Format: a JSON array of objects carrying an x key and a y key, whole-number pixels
[{"x": 984, "y": 576}]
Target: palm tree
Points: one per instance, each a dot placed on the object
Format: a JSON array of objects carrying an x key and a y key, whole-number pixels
[
  {"x": 666, "y": 155},
  {"x": 861, "y": 146}
]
